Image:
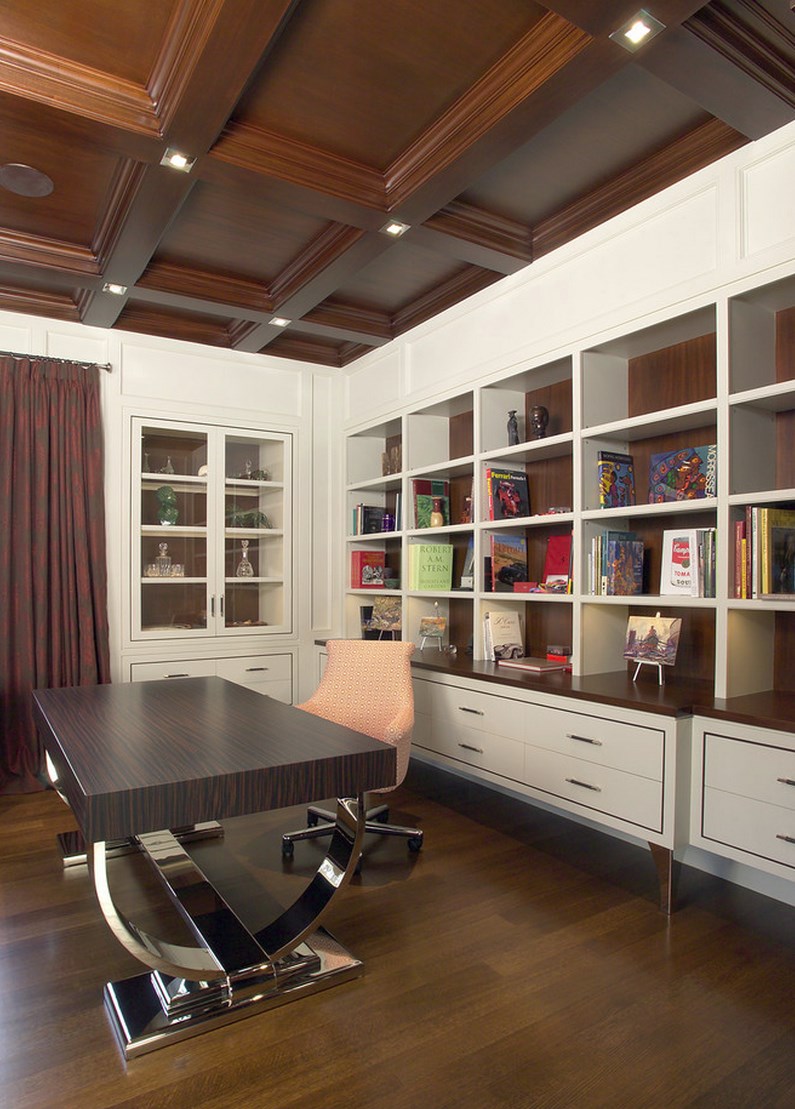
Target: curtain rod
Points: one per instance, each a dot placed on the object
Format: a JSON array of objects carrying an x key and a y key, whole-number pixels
[{"x": 106, "y": 366}]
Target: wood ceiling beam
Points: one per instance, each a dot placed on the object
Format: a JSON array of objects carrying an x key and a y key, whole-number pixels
[
  {"x": 208, "y": 55},
  {"x": 718, "y": 80},
  {"x": 700, "y": 147},
  {"x": 442, "y": 296},
  {"x": 476, "y": 236}
]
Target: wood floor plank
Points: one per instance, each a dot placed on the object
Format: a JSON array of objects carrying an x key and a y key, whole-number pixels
[{"x": 518, "y": 961}]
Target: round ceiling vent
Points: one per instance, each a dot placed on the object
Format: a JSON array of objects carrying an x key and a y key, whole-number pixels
[{"x": 25, "y": 180}]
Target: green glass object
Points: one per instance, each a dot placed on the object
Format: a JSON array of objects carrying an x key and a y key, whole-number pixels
[{"x": 167, "y": 512}]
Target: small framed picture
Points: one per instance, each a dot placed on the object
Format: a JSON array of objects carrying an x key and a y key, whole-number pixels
[{"x": 652, "y": 639}]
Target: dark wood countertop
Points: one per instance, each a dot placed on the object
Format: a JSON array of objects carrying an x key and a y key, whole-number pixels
[{"x": 142, "y": 756}]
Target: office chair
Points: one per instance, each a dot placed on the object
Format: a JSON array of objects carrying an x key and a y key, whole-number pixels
[{"x": 366, "y": 686}]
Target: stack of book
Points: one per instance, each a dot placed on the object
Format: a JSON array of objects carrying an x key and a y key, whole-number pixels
[
  {"x": 764, "y": 557},
  {"x": 616, "y": 564}
]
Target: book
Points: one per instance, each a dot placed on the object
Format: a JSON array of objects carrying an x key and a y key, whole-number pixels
[
  {"x": 367, "y": 569},
  {"x": 468, "y": 571},
  {"x": 425, "y": 491},
  {"x": 557, "y": 561},
  {"x": 684, "y": 475},
  {"x": 533, "y": 665},
  {"x": 386, "y": 614},
  {"x": 368, "y": 519},
  {"x": 508, "y": 561},
  {"x": 679, "y": 567},
  {"x": 507, "y": 494},
  {"x": 504, "y": 634},
  {"x": 616, "y": 479},
  {"x": 776, "y": 550},
  {"x": 623, "y": 569},
  {"x": 431, "y": 566}
]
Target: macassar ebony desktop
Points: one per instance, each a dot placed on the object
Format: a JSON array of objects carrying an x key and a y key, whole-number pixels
[{"x": 134, "y": 761}]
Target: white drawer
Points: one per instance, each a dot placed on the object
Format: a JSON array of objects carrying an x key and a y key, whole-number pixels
[
  {"x": 598, "y": 788},
  {"x": 750, "y": 825},
  {"x": 494, "y": 753},
  {"x": 182, "y": 668},
  {"x": 453, "y": 708},
  {"x": 255, "y": 668},
  {"x": 750, "y": 769},
  {"x": 632, "y": 748}
]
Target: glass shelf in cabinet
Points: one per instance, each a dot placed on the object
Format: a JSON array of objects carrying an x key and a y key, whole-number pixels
[{"x": 174, "y": 529}]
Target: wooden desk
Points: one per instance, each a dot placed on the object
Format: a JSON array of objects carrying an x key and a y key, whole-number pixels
[{"x": 135, "y": 760}]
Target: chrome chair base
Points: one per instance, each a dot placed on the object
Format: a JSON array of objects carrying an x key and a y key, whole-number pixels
[{"x": 321, "y": 823}]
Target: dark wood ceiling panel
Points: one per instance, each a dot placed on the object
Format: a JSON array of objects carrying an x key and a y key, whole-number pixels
[
  {"x": 121, "y": 38},
  {"x": 363, "y": 81},
  {"x": 236, "y": 232},
  {"x": 498, "y": 130},
  {"x": 622, "y": 121}
]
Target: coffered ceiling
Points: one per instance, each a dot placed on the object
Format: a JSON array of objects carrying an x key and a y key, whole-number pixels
[{"x": 496, "y": 130}]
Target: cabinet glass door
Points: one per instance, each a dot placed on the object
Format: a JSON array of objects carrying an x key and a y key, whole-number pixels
[
  {"x": 170, "y": 562},
  {"x": 256, "y": 511}
]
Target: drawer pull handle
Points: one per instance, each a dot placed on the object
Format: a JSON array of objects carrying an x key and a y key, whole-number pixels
[
  {"x": 475, "y": 712},
  {"x": 469, "y": 747},
  {"x": 584, "y": 739},
  {"x": 256, "y": 669},
  {"x": 585, "y": 785},
  {"x": 176, "y": 675},
  {"x": 787, "y": 839},
  {"x": 786, "y": 781}
]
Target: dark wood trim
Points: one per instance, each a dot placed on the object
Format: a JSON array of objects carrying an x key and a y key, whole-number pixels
[
  {"x": 148, "y": 321},
  {"x": 38, "y": 251},
  {"x": 538, "y": 56},
  {"x": 34, "y": 302},
  {"x": 499, "y": 243},
  {"x": 268, "y": 154},
  {"x": 201, "y": 291},
  {"x": 350, "y": 322},
  {"x": 69, "y": 86},
  {"x": 733, "y": 37},
  {"x": 445, "y": 295},
  {"x": 691, "y": 152}
]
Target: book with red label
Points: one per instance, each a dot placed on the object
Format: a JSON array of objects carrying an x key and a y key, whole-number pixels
[
  {"x": 367, "y": 569},
  {"x": 507, "y": 493},
  {"x": 557, "y": 561}
]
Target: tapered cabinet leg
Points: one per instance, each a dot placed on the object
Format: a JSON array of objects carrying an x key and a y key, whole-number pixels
[{"x": 667, "y": 876}]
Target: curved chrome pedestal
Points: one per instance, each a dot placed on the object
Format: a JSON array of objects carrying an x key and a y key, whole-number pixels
[{"x": 231, "y": 973}]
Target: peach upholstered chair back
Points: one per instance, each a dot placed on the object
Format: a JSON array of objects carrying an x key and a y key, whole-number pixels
[{"x": 367, "y": 686}]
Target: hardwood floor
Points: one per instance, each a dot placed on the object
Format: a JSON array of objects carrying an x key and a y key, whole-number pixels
[{"x": 518, "y": 961}]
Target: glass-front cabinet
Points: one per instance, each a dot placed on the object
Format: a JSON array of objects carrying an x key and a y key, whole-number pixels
[{"x": 211, "y": 516}]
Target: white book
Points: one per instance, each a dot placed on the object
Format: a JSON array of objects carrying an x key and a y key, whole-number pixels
[
  {"x": 504, "y": 631},
  {"x": 680, "y": 570}
]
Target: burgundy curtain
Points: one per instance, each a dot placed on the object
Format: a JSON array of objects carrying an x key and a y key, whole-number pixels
[{"x": 53, "y": 580}]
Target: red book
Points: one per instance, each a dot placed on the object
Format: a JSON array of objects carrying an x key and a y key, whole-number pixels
[
  {"x": 367, "y": 569},
  {"x": 557, "y": 563}
]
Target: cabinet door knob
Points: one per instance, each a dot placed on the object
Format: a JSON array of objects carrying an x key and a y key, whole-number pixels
[
  {"x": 256, "y": 669},
  {"x": 787, "y": 839},
  {"x": 786, "y": 781},
  {"x": 469, "y": 747},
  {"x": 585, "y": 785},
  {"x": 176, "y": 675},
  {"x": 475, "y": 712},
  {"x": 584, "y": 739}
]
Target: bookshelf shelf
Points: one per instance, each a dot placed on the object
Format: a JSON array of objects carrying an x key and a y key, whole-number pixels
[{"x": 723, "y": 374}]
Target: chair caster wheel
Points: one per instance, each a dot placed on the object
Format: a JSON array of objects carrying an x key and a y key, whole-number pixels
[
  {"x": 312, "y": 820},
  {"x": 415, "y": 843},
  {"x": 288, "y": 847},
  {"x": 383, "y": 817}
]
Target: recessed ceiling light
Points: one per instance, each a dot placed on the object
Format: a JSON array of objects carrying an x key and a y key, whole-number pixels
[
  {"x": 637, "y": 31},
  {"x": 394, "y": 228},
  {"x": 112, "y": 287},
  {"x": 280, "y": 321},
  {"x": 25, "y": 180},
  {"x": 175, "y": 159}
]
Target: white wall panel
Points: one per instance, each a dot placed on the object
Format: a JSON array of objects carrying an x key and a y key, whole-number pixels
[
  {"x": 376, "y": 386},
  {"x": 16, "y": 340},
  {"x": 90, "y": 346},
  {"x": 768, "y": 194},
  {"x": 175, "y": 374},
  {"x": 586, "y": 287}
]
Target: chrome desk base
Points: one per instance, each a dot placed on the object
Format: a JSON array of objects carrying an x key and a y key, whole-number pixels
[
  {"x": 142, "y": 1024},
  {"x": 229, "y": 972},
  {"x": 74, "y": 853}
]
